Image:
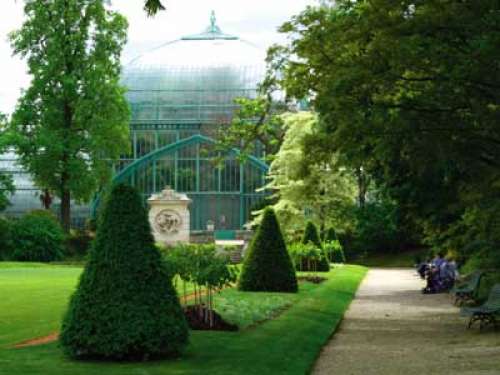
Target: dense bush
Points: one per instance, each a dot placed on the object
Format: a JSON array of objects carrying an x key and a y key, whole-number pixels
[
  {"x": 78, "y": 243},
  {"x": 125, "y": 306},
  {"x": 311, "y": 236},
  {"x": 485, "y": 257},
  {"x": 267, "y": 265},
  {"x": 331, "y": 235},
  {"x": 5, "y": 238},
  {"x": 306, "y": 257},
  {"x": 377, "y": 227},
  {"x": 334, "y": 251},
  {"x": 37, "y": 237}
]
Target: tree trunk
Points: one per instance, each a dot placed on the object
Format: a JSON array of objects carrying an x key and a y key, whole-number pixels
[
  {"x": 363, "y": 182},
  {"x": 66, "y": 210}
]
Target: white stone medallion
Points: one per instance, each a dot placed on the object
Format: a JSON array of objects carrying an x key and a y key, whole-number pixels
[
  {"x": 168, "y": 222},
  {"x": 169, "y": 216}
]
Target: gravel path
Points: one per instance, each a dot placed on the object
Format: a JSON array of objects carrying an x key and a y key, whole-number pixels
[{"x": 391, "y": 328}]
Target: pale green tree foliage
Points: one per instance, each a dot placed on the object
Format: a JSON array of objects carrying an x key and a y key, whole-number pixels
[
  {"x": 74, "y": 116},
  {"x": 306, "y": 189}
]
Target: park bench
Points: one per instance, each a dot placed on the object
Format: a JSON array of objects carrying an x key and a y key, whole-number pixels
[
  {"x": 487, "y": 312},
  {"x": 466, "y": 290}
]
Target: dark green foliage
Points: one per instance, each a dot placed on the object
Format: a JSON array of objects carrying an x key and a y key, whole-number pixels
[
  {"x": 412, "y": 113},
  {"x": 78, "y": 243},
  {"x": 125, "y": 306},
  {"x": 331, "y": 235},
  {"x": 311, "y": 236},
  {"x": 7, "y": 188},
  {"x": 267, "y": 265},
  {"x": 5, "y": 238},
  {"x": 333, "y": 247},
  {"x": 484, "y": 257},
  {"x": 377, "y": 227},
  {"x": 37, "y": 237},
  {"x": 334, "y": 251},
  {"x": 153, "y": 6},
  {"x": 338, "y": 255}
]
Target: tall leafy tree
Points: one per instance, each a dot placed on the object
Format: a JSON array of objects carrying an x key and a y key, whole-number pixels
[
  {"x": 74, "y": 116},
  {"x": 307, "y": 186},
  {"x": 256, "y": 126},
  {"x": 408, "y": 93}
]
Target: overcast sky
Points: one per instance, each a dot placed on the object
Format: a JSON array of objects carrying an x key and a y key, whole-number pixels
[{"x": 253, "y": 20}]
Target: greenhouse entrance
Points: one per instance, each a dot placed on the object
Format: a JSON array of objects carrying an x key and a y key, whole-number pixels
[{"x": 223, "y": 188}]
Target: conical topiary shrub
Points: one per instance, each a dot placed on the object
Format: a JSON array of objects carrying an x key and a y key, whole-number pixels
[
  {"x": 267, "y": 265},
  {"x": 311, "y": 235},
  {"x": 331, "y": 235},
  {"x": 125, "y": 306}
]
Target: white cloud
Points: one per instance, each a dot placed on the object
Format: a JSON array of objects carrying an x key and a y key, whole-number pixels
[{"x": 255, "y": 21}]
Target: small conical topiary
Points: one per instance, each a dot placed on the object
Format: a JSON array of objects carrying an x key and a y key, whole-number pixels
[
  {"x": 267, "y": 265},
  {"x": 311, "y": 236},
  {"x": 331, "y": 235},
  {"x": 125, "y": 307}
]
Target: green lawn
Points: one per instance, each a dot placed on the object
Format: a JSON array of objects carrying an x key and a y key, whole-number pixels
[{"x": 34, "y": 298}]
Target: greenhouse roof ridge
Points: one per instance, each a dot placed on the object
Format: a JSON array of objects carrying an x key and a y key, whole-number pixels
[{"x": 212, "y": 32}]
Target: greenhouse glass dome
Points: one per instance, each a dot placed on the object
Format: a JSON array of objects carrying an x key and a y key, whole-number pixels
[{"x": 181, "y": 95}]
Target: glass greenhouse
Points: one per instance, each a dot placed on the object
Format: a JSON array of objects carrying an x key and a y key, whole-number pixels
[{"x": 181, "y": 94}]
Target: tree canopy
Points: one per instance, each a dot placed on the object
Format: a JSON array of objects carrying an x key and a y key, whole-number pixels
[
  {"x": 408, "y": 93},
  {"x": 73, "y": 118},
  {"x": 318, "y": 189},
  {"x": 153, "y": 6}
]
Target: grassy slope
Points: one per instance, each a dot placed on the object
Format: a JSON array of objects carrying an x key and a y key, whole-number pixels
[{"x": 288, "y": 344}]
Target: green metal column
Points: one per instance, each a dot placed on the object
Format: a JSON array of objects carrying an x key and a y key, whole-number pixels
[
  {"x": 242, "y": 196},
  {"x": 197, "y": 224},
  {"x": 176, "y": 160},
  {"x": 198, "y": 167},
  {"x": 154, "y": 163}
]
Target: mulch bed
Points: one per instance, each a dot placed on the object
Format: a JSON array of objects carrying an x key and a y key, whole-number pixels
[
  {"x": 312, "y": 279},
  {"x": 195, "y": 316}
]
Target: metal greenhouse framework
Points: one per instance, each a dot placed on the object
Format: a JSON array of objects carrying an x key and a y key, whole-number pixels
[
  {"x": 221, "y": 187},
  {"x": 179, "y": 103},
  {"x": 181, "y": 96}
]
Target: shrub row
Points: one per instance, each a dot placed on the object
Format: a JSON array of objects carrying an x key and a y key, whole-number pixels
[{"x": 38, "y": 237}]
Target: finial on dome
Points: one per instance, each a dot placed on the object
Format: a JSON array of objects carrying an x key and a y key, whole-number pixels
[
  {"x": 213, "y": 22},
  {"x": 212, "y": 32},
  {"x": 213, "y": 28}
]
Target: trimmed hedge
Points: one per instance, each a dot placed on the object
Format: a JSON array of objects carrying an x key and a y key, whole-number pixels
[
  {"x": 311, "y": 236},
  {"x": 125, "y": 307},
  {"x": 37, "y": 237},
  {"x": 267, "y": 265}
]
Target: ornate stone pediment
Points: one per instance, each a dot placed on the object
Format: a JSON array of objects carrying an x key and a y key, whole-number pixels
[
  {"x": 169, "y": 194},
  {"x": 169, "y": 216}
]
